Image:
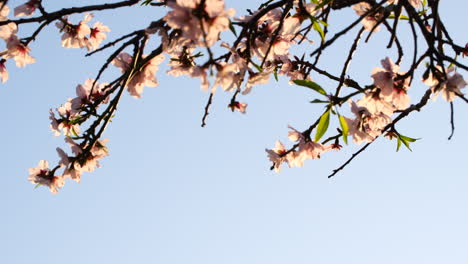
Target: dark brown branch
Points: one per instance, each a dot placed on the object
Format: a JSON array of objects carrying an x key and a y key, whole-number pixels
[
  {"x": 207, "y": 108},
  {"x": 452, "y": 122}
]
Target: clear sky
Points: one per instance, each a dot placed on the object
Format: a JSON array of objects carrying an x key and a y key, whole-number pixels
[{"x": 172, "y": 192}]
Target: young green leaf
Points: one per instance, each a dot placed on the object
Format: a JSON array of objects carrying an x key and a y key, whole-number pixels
[
  {"x": 312, "y": 85},
  {"x": 398, "y": 144},
  {"x": 344, "y": 128},
  {"x": 319, "y": 29},
  {"x": 408, "y": 138},
  {"x": 405, "y": 140},
  {"x": 322, "y": 125},
  {"x": 231, "y": 27},
  {"x": 317, "y": 101},
  {"x": 146, "y": 2}
]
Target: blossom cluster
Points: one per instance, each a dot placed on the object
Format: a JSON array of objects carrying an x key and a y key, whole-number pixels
[{"x": 189, "y": 35}]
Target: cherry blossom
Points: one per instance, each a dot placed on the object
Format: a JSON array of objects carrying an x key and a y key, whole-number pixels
[
  {"x": 87, "y": 94},
  {"x": 96, "y": 36},
  {"x": 370, "y": 21},
  {"x": 74, "y": 36},
  {"x": 199, "y": 24},
  {"x": 277, "y": 155},
  {"x": 365, "y": 127},
  {"x": 260, "y": 46},
  {"x": 67, "y": 120},
  {"x": 19, "y": 52},
  {"x": 392, "y": 88},
  {"x": 375, "y": 104},
  {"x": 241, "y": 107},
  {"x": 8, "y": 31},
  {"x": 27, "y": 9},
  {"x": 3, "y": 71},
  {"x": 450, "y": 87},
  {"x": 42, "y": 175},
  {"x": 144, "y": 77}
]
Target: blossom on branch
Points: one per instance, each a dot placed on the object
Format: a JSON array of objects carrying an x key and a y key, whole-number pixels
[
  {"x": 19, "y": 52},
  {"x": 365, "y": 127},
  {"x": 235, "y": 105},
  {"x": 145, "y": 76},
  {"x": 27, "y": 9},
  {"x": 43, "y": 175},
  {"x": 199, "y": 23},
  {"x": 392, "y": 87},
  {"x": 3, "y": 71},
  {"x": 96, "y": 36},
  {"x": 370, "y": 21},
  {"x": 74, "y": 36},
  {"x": 450, "y": 86}
]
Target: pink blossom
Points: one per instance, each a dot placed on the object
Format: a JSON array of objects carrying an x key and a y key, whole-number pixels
[
  {"x": 375, "y": 104},
  {"x": 43, "y": 175},
  {"x": 204, "y": 28},
  {"x": 450, "y": 87},
  {"x": 393, "y": 89},
  {"x": 74, "y": 36},
  {"x": 69, "y": 172},
  {"x": 27, "y": 9},
  {"x": 66, "y": 122},
  {"x": 307, "y": 150},
  {"x": 292, "y": 70},
  {"x": 267, "y": 26},
  {"x": 241, "y": 107},
  {"x": 366, "y": 126},
  {"x": 230, "y": 75},
  {"x": 277, "y": 155},
  {"x": 90, "y": 160},
  {"x": 144, "y": 77},
  {"x": 182, "y": 63},
  {"x": 4, "y": 11},
  {"x": 96, "y": 36},
  {"x": 256, "y": 78},
  {"x": 3, "y": 71},
  {"x": 369, "y": 21},
  {"x": 87, "y": 94},
  {"x": 8, "y": 31},
  {"x": 19, "y": 52}
]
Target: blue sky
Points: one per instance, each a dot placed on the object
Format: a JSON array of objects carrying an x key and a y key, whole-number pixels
[{"x": 173, "y": 192}]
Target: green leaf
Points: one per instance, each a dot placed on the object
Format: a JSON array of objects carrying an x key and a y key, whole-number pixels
[
  {"x": 452, "y": 64},
  {"x": 398, "y": 144},
  {"x": 256, "y": 66},
  {"x": 317, "y": 101},
  {"x": 405, "y": 140},
  {"x": 401, "y": 17},
  {"x": 344, "y": 128},
  {"x": 231, "y": 27},
  {"x": 37, "y": 186},
  {"x": 406, "y": 143},
  {"x": 312, "y": 85},
  {"x": 322, "y": 4},
  {"x": 275, "y": 74},
  {"x": 319, "y": 29},
  {"x": 322, "y": 125},
  {"x": 74, "y": 132},
  {"x": 146, "y": 2}
]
